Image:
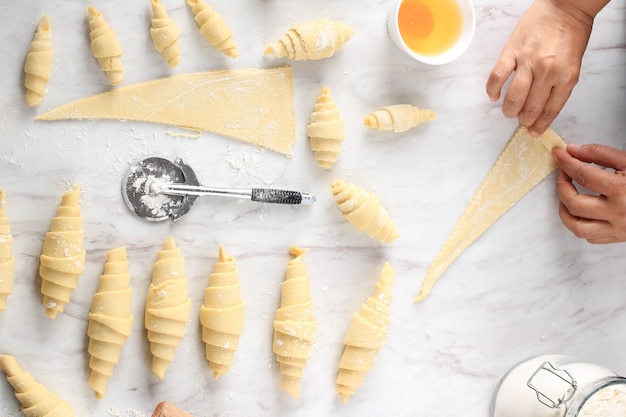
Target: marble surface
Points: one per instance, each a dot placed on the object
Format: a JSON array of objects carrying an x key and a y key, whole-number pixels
[{"x": 526, "y": 287}]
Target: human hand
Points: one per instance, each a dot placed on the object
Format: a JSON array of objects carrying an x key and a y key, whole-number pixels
[
  {"x": 597, "y": 218},
  {"x": 545, "y": 53}
]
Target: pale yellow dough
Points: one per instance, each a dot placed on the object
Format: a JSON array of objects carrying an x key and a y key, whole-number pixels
[
  {"x": 7, "y": 260},
  {"x": 62, "y": 259},
  {"x": 524, "y": 162},
  {"x": 213, "y": 27},
  {"x": 110, "y": 320},
  {"x": 165, "y": 33},
  {"x": 36, "y": 399},
  {"x": 326, "y": 130},
  {"x": 222, "y": 314},
  {"x": 366, "y": 335},
  {"x": 398, "y": 117},
  {"x": 294, "y": 324},
  {"x": 168, "y": 308},
  {"x": 105, "y": 47},
  {"x": 316, "y": 39},
  {"x": 253, "y": 105},
  {"x": 364, "y": 211},
  {"x": 38, "y": 65}
]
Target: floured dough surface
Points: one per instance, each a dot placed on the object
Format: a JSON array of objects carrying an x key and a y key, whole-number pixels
[{"x": 252, "y": 105}]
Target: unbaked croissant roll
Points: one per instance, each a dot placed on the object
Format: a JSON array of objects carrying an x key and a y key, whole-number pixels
[
  {"x": 165, "y": 34},
  {"x": 326, "y": 130},
  {"x": 110, "y": 320},
  {"x": 294, "y": 324},
  {"x": 38, "y": 65},
  {"x": 105, "y": 47},
  {"x": 168, "y": 308},
  {"x": 213, "y": 27},
  {"x": 222, "y": 314},
  {"x": 398, "y": 117},
  {"x": 366, "y": 336},
  {"x": 7, "y": 261},
  {"x": 36, "y": 399},
  {"x": 317, "y": 39},
  {"x": 62, "y": 259},
  {"x": 364, "y": 211}
]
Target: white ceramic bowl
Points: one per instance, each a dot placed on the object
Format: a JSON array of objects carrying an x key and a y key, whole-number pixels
[{"x": 465, "y": 39}]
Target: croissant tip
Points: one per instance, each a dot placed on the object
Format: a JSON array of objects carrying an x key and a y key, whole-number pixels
[{"x": 93, "y": 12}]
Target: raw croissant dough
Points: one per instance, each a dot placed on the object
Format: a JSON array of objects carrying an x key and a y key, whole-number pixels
[
  {"x": 253, "y": 105},
  {"x": 366, "y": 336},
  {"x": 7, "y": 261},
  {"x": 398, "y": 117},
  {"x": 105, "y": 47},
  {"x": 38, "y": 65},
  {"x": 524, "y": 162},
  {"x": 168, "y": 308},
  {"x": 36, "y": 399},
  {"x": 364, "y": 211},
  {"x": 222, "y": 314},
  {"x": 317, "y": 39},
  {"x": 110, "y": 320},
  {"x": 213, "y": 27},
  {"x": 326, "y": 130},
  {"x": 294, "y": 324},
  {"x": 165, "y": 33},
  {"x": 62, "y": 259}
]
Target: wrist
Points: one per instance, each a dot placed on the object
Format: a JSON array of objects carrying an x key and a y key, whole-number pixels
[{"x": 584, "y": 11}]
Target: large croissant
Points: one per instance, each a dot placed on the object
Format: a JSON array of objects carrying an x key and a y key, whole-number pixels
[
  {"x": 105, "y": 47},
  {"x": 110, "y": 320},
  {"x": 38, "y": 65},
  {"x": 398, "y": 117},
  {"x": 62, "y": 259},
  {"x": 222, "y": 314},
  {"x": 366, "y": 336},
  {"x": 165, "y": 34},
  {"x": 213, "y": 27},
  {"x": 168, "y": 308},
  {"x": 36, "y": 399},
  {"x": 7, "y": 261},
  {"x": 364, "y": 211},
  {"x": 317, "y": 39},
  {"x": 326, "y": 130},
  {"x": 294, "y": 324}
]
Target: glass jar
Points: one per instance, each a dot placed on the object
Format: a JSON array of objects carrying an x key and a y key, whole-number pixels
[{"x": 559, "y": 386}]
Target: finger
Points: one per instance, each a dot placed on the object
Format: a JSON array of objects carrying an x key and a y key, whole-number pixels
[
  {"x": 515, "y": 97},
  {"x": 591, "y": 177},
  {"x": 535, "y": 103},
  {"x": 585, "y": 228},
  {"x": 500, "y": 73},
  {"x": 599, "y": 154},
  {"x": 580, "y": 205},
  {"x": 553, "y": 106}
]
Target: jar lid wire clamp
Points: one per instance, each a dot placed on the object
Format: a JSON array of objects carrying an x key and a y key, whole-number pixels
[{"x": 563, "y": 375}]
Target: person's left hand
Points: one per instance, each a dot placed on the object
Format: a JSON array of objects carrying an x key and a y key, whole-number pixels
[{"x": 597, "y": 218}]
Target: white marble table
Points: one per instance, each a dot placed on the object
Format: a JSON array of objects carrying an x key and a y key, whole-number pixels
[{"x": 526, "y": 287}]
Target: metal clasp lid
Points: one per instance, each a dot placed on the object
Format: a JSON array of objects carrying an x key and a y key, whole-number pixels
[{"x": 563, "y": 375}]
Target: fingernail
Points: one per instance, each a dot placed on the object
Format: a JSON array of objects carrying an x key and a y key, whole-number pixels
[
  {"x": 573, "y": 146},
  {"x": 534, "y": 133}
]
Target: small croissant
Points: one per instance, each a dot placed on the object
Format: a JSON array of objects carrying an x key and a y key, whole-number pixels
[
  {"x": 326, "y": 130},
  {"x": 105, "y": 47},
  {"x": 213, "y": 27},
  {"x": 38, "y": 65},
  {"x": 110, "y": 320},
  {"x": 36, "y": 399},
  {"x": 168, "y": 308},
  {"x": 364, "y": 211},
  {"x": 294, "y": 324},
  {"x": 222, "y": 314},
  {"x": 7, "y": 261},
  {"x": 398, "y": 117},
  {"x": 317, "y": 39},
  {"x": 366, "y": 335},
  {"x": 165, "y": 34},
  {"x": 62, "y": 259}
]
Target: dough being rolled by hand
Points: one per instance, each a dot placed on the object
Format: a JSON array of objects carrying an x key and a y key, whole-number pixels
[
  {"x": 168, "y": 308},
  {"x": 366, "y": 335},
  {"x": 38, "y": 65},
  {"x": 7, "y": 261},
  {"x": 165, "y": 34},
  {"x": 213, "y": 27},
  {"x": 36, "y": 399},
  {"x": 326, "y": 130},
  {"x": 105, "y": 47},
  {"x": 62, "y": 259},
  {"x": 398, "y": 117}
]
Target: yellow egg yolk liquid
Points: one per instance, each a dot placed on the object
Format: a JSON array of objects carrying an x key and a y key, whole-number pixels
[{"x": 430, "y": 27}]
